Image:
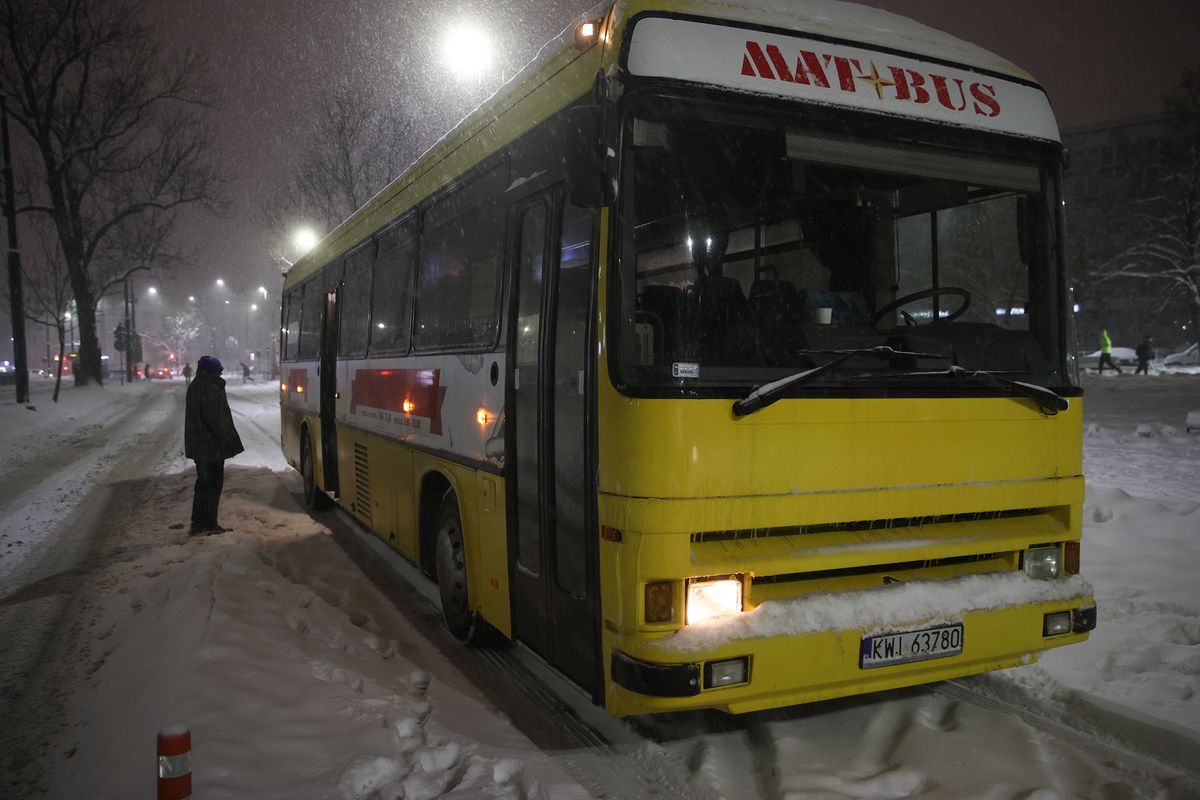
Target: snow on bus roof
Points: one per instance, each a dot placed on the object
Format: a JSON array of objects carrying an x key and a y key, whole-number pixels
[{"x": 860, "y": 24}]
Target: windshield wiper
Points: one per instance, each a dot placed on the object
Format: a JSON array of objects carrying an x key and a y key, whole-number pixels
[
  {"x": 768, "y": 393},
  {"x": 1049, "y": 402}
]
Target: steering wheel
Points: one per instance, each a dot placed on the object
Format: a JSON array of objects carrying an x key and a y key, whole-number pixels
[{"x": 925, "y": 294}]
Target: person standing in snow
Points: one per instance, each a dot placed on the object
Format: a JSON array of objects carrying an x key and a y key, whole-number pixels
[
  {"x": 1106, "y": 353},
  {"x": 208, "y": 439},
  {"x": 187, "y": 373},
  {"x": 1145, "y": 354},
  {"x": 246, "y": 376}
]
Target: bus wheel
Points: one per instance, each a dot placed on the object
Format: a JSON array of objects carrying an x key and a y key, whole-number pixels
[
  {"x": 452, "y": 574},
  {"x": 314, "y": 498}
]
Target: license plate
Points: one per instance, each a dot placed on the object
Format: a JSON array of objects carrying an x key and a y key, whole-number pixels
[{"x": 886, "y": 649}]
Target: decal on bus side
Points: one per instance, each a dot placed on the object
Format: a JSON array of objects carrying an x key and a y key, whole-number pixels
[{"x": 408, "y": 392}]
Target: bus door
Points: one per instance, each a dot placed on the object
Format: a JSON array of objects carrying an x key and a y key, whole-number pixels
[
  {"x": 328, "y": 372},
  {"x": 553, "y": 560}
]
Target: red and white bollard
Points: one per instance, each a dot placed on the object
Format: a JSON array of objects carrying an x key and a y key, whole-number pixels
[{"x": 174, "y": 763}]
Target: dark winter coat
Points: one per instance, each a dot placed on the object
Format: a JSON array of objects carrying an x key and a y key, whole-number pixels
[
  {"x": 1145, "y": 352},
  {"x": 208, "y": 432}
]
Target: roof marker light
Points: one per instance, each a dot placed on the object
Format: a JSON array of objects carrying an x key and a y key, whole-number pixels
[{"x": 586, "y": 33}]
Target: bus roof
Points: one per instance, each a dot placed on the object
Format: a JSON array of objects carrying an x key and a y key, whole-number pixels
[
  {"x": 492, "y": 124},
  {"x": 850, "y": 22}
]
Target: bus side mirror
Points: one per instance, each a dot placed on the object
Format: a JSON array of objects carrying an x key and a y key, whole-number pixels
[{"x": 588, "y": 158}]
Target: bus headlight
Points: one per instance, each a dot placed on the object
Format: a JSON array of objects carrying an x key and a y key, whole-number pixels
[
  {"x": 1042, "y": 563},
  {"x": 713, "y": 597}
]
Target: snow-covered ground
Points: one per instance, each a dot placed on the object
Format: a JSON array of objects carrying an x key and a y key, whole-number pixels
[{"x": 299, "y": 679}]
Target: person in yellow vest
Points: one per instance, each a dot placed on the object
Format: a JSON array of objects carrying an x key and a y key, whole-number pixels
[{"x": 1106, "y": 353}]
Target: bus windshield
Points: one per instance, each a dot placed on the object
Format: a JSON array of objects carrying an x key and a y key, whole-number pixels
[{"x": 752, "y": 251}]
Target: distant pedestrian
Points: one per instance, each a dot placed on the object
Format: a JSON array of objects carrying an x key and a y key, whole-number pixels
[
  {"x": 1145, "y": 354},
  {"x": 187, "y": 373},
  {"x": 246, "y": 376},
  {"x": 1106, "y": 353},
  {"x": 208, "y": 439}
]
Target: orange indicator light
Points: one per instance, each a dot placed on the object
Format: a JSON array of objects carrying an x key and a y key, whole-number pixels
[
  {"x": 300, "y": 390},
  {"x": 408, "y": 406},
  {"x": 283, "y": 387},
  {"x": 482, "y": 416}
]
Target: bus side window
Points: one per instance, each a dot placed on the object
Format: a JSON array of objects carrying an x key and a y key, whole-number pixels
[
  {"x": 310, "y": 319},
  {"x": 392, "y": 296},
  {"x": 458, "y": 282},
  {"x": 291, "y": 327},
  {"x": 355, "y": 304}
]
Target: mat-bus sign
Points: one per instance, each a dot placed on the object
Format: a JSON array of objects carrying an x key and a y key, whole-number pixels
[{"x": 836, "y": 74}]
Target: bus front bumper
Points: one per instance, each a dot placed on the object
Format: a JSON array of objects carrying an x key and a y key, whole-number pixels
[{"x": 647, "y": 677}]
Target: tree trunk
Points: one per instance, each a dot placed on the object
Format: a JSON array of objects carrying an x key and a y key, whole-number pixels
[
  {"x": 62, "y": 356},
  {"x": 1194, "y": 304},
  {"x": 88, "y": 366}
]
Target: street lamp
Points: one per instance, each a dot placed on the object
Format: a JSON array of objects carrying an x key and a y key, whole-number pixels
[
  {"x": 305, "y": 239},
  {"x": 467, "y": 51},
  {"x": 220, "y": 282}
]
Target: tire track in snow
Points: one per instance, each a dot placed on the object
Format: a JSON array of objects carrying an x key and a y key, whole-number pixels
[{"x": 70, "y": 499}]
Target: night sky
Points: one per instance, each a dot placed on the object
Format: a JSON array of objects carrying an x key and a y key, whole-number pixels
[{"x": 1098, "y": 60}]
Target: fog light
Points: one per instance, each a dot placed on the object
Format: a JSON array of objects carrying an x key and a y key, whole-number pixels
[
  {"x": 659, "y": 604},
  {"x": 1083, "y": 619},
  {"x": 1042, "y": 562},
  {"x": 713, "y": 598},
  {"x": 1056, "y": 623},
  {"x": 725, "y": 673}
]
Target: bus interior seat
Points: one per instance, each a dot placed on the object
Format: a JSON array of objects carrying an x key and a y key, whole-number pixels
[
  {"x": 848, "y": 309},
  {"x": 849, "y": 321},
  {"x": 665, "y": 308},
  {"x": 774, "y": 301},
  {"x": 721, "y": 319}
]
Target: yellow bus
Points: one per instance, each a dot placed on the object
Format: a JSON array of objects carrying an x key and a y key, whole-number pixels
[{"x": 722, "y": 358}]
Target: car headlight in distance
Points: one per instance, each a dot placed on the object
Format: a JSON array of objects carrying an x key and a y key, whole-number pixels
[
  {"x": 713, "y": 597},
  {"x": 1042, "y": 563}
]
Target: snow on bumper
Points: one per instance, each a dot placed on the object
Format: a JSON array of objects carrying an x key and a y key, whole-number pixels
[{"x": 808, "y": 648}]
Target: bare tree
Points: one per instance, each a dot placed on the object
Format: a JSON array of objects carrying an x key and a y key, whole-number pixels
[
  {"x": 178, "y": 331},
  {"x": 116, "y": 133},
  {"x": 360, "y": 141},
  {"x": 47, "y": 289},
  {"x": 1166, "y": 251}
]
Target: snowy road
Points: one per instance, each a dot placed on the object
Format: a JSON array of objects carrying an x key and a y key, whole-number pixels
[{"x": 301, "y": 679}]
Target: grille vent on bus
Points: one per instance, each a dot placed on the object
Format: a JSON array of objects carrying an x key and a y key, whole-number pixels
[
  {"x": 861, "y": 525},
  {"x": 362, "y": 483},
  {"x": 873, "y": 569}
]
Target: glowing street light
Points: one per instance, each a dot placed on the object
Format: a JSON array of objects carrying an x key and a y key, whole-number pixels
[
  {"x": 467, "y": 51},
  {"x": 152, "y": 290},
  {"x": 220, "y": 282},
  {"x": 305, "y": 239},
  {"x": 191, "y": 298}
]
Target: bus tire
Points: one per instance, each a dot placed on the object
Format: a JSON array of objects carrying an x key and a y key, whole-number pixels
[
  {"x": 451, "y": 560},
  {"x": 314, "y": 498}
]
